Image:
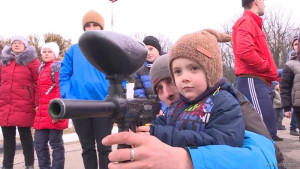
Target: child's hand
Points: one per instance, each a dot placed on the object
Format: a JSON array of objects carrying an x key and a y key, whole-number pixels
[
  {"x": 288, "y": 114},
  {"x": 143, "y": 129},
  {"x": 161, "y": 113},
  {"x": 54, "y": 121}
]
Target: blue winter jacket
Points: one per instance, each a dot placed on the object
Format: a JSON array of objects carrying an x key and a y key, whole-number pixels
[
  {"x": 78, "y": 79},
  {"x": 257, "y": 153},
  {"x": 142, "y": 84},
  {"x": 214, "y": 120}
]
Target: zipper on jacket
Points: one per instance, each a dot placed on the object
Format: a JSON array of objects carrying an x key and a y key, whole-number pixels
[{"x": 29, "y": 91}]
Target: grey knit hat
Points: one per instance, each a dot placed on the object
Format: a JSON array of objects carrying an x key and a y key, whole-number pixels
[
  {"x": 159, "y": 70},
  {"x": 20, "y": 38}
]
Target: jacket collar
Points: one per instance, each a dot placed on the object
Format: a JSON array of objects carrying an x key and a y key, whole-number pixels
[
  {"x": 206, "y": 93},
  {"x": 255, "y": 17}
]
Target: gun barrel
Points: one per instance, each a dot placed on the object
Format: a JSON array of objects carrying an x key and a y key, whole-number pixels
[{"x": 72, "y": 109}]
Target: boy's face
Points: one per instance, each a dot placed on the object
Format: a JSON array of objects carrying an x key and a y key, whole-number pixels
[
  {"x": 18, "y": 46},
  {"x": 92, "y": 26},
  {"x": 167, "y": 91},
  {"x": 190, "y": 78},
  {"x": 295, "y": 45},
  {"x": 153, "y": 54},
  {"x": 48, "y": 55}
]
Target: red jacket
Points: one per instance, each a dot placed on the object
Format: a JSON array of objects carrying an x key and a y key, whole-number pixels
[
  {"x": 251, "y": 51},
  {"x": 18, "y": 77},
  {"x": 42, "y": 118}
]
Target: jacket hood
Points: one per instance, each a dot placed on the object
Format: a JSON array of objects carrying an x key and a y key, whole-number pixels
[
  {"x": 55, "y": 65},
  {"x": 27, "y": 56}
]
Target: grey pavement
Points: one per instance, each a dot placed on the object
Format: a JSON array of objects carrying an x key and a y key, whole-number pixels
[{"x": 290, "y": 148}]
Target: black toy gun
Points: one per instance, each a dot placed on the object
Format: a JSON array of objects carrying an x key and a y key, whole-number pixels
[{"x": 117, "y": 56}]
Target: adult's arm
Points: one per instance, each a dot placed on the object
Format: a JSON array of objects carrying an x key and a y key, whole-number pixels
[
  {"x": 149, "y": 152},
  {"x": 34, "y": 67},
  {"x": 245, "y": 50},
  {"x": 66, "y": 72},
  {"x": 257, "y": 152},
  {"x": 286, "y": 84}
]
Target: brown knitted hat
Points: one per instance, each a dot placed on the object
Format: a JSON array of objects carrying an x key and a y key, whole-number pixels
[
  {"x": 203, "y": 48},
  {"x": 93, "y": 16}
]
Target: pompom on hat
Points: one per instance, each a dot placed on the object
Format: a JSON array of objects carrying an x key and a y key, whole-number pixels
[
  {"x": 159, "y": 71},
  {"x": 203, "y": 48},
  {"x": 52, "y": 46},
  {"x": 92, "y": 16},
  {"x": 20, "y": 38}
]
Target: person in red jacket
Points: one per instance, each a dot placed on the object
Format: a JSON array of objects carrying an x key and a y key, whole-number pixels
[
  {"x": 254, "y": 65},
  {"x": 18, "y": 77},
  {"x": 48, "y": 130}
]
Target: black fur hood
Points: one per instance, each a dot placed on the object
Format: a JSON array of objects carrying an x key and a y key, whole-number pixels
[{"x": 27, "y": 56}]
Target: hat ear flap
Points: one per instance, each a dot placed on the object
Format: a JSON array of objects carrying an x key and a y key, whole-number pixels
[{"x": 221, "y": 37}]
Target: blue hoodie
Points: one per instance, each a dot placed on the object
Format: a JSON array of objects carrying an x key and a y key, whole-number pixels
[{"x": 78, "y": 79}]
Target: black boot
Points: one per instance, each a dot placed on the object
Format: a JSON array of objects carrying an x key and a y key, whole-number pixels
[{"x": 278, "y": 139}]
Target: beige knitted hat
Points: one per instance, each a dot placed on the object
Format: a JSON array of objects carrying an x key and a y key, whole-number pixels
[
  {"x": 93, "y": 16},
  {"x": 203, "y": 48}
]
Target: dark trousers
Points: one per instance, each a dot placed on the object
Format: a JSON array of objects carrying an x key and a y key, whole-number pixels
[
  {"x": 296, "y": 111},
  {"x": 93, "y": 130},
  {"x": 54, "y": 138},
  {"x": 294, "y": 123},
  {"x": 278, "y": 116},
  {"x": 9, "y": 136},
  {"x": 259, "y": 94}
]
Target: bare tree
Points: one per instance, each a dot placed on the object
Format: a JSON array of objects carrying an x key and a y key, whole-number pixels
[
  {"x": 227, "y": 56},
  {"x": 3, "y": 42},
  {"x": 165, "y": 43},
  {"x": 279, "y": 30},
  {"x": 64, "y": 44},
  {"x": 34, "y": 40}
]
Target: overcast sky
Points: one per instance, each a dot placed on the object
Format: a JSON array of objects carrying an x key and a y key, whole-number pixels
[{"x": 172, "y": 18}]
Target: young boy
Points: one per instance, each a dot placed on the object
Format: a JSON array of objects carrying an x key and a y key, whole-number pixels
[
  {"x": 208, "y": 112},
  {"x": 48, "y": 130},
  {"x": 142, "y": 85}
]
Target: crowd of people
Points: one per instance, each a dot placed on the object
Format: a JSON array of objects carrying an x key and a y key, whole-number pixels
[{"x": 204, "y": 122}]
